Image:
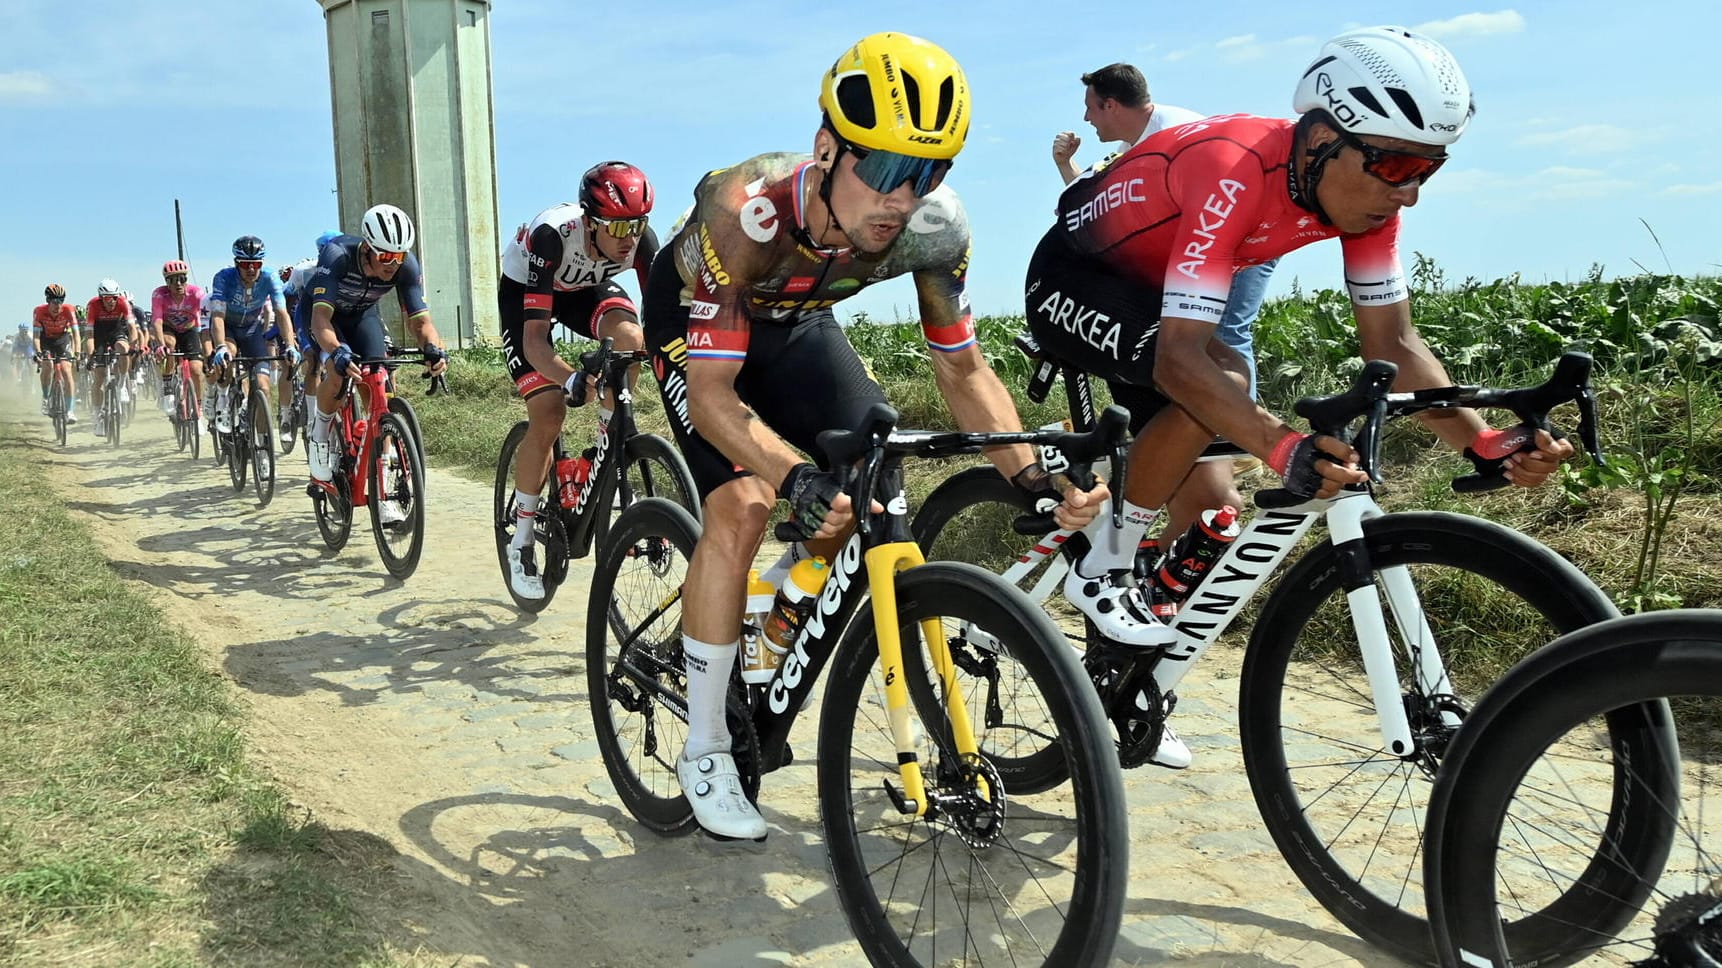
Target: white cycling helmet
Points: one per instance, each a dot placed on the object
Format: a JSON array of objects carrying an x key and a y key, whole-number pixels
[
  {"x": 388, "y": 229},
  {"x": 1391, "y": 82},
  {"x": 108, "y": 287}
]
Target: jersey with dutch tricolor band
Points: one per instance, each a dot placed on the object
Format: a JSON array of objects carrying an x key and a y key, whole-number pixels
[
  {"x": 1188, "y": 207},
  {"x": 746, "y": 258}
]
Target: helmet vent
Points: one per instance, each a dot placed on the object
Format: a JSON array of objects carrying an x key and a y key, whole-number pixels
[
  {"x": 855, "y": 99},
  {"x": 912, "y": 94},
  {"x": 1407, "y": 106},
  {"x": 947, "y": 101},
  {"x": 1367, "y": 97},
  {"x": 1374, "y": 63}
]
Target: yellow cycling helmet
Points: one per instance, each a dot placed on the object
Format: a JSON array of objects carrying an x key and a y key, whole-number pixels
[{"x": 894, "y": 92}]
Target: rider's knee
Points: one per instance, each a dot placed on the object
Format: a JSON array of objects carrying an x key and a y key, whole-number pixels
[
  {"x": 623, "y": 329},
  {"x": 736, "y": 514}
]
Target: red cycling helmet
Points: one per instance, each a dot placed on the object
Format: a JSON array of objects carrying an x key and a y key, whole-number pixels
[
  {"x": 615, "y": 190},
  {"x": 174, "y": 267}
]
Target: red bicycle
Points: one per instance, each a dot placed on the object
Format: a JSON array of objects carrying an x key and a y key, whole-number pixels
[
  {"x": 379, "y": 464},
  {"x": 187, "y": 414}
]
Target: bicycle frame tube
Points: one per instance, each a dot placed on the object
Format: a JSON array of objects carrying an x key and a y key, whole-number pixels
[{"x": 883, "y": 563}]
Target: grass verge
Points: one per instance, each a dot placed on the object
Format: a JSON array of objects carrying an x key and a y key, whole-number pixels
[{"x": 132, "y": 829}]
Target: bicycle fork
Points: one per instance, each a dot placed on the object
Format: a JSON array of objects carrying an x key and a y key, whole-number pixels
[
  {"x": 883, "y": 563},
  {"x": 1345, "y": 525}
]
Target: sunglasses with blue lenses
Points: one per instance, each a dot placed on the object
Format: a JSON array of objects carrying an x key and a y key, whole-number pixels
[{"x": 883, "y": 171}]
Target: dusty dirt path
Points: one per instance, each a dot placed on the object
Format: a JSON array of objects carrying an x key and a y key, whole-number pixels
[{"x": 434, "y": 716}]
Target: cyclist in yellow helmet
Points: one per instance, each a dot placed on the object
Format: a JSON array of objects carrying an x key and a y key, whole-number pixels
[{"x": 752, "y": 364}]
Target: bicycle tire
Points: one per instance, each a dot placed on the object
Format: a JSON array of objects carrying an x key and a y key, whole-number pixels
[
  {"x": 236, "y": 445},
  {"x": 1062, "y": 909},
  {"x": 642, "y": 565},
  {"x": 1298, "y": 691},
  {"x": 111, "y": 412},
  {"x": 968, "y": 518},
  {"x": 403, "y": 408},
  {"x": 552, "y": 567},
  {"x": 57, "y": 408},
  {"x": 397, "y": 475},
  {"x": 652, "y": 467},
  {"x": 262, "y": 448},
  {"x": 1641, "y": 661},
  {"x": 334, "y": 511},
  {"x": 293, "y": 422}
]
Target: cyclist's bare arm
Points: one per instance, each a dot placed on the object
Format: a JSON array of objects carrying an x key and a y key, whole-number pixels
[{"x": 1387, "y": 333}]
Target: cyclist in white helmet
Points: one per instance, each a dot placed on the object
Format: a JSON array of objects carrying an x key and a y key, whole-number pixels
[
  {"x": 1133, "y": 278},
  {"x": 353, "y": 273}
]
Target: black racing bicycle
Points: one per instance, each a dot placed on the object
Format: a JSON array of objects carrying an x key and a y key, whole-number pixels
[
  {"x": 626, "y": 465},
  {"x": 935, "y": 858},
  {"x": 1575, "y": 820}
]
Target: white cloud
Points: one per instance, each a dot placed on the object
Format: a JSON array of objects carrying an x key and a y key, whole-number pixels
[
  {"x": 1243, "y": 40},
  {"x": 1585, "y": 138},
  {"x": 1714, "y": 188},
  {"x": 19, "y": 85},
  {"x": 1248, "y": 47},
  {"x": 1474, "y": 25}
]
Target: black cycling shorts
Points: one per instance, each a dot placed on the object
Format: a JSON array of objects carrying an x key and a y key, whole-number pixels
[
  {"x": 577, "y": 309},
  {"x": 799, "y": 378},
  {"x": 1096, "y": 321}
]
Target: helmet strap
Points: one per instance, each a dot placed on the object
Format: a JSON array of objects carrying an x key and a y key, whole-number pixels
[
  {"x": 824, "y": 193},
  {"x": 1314, "y": 160}
]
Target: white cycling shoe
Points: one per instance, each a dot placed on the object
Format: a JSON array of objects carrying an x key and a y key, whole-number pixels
[
  {"x": 322, "y": 463},
  {"x": 713, "y": 788},
  {"x": 1116, "y": 606},
  {"x": 390, "y": 512},
  {"x": 523, "y": 574}
]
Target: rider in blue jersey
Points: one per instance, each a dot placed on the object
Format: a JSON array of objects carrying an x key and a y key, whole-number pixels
[
  {"x": 245, "y": 314},
  {"x": 353, "y": 273}
]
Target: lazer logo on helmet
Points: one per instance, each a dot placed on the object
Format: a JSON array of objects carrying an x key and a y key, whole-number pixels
[{"x": 922, "y": 139}]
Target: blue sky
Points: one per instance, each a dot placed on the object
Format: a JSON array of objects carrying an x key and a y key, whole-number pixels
[{"x": 1591, "y": 117}]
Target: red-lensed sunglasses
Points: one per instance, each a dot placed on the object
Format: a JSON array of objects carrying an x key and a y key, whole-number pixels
[
  {"x": 388, "y": 258},
  {"x": 1396, "y": 168},
  {"x": 248, "y": 263},
  {"x": 621, "y": 228}
]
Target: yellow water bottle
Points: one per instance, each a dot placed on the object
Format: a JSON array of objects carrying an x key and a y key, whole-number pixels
[
  {"x": 794, "y": 603},
  {"x": 758, "y": 663}
]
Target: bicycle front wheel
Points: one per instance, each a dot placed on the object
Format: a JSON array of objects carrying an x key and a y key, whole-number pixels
[
  {"x": 262, "y": 448},
  {"x": 1531, "y": 860},
  {"x": 397, "y": 486},
  {"x": 636, "y": 678},
  {"x": 652, "y": 468},
  {"x": 1347, "y": 814},
  {"x": 981, "y": 877}
]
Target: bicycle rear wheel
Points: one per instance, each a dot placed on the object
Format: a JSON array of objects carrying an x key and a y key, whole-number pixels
[
  {"x": 636, "y": 680},
  {"x": 1530, "y": 864},
  {"x": 261, "y": 444},
  {"x": 1348, "y": 815},
  {"x": 1018, "y": 879},
  {"x": 653, "y": 468},
  {"x": 397, "y": 486}
]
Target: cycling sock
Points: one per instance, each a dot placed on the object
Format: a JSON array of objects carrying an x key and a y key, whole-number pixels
[
  {"x": 525, "y": 511},
  {"x": 779, "y": 569},
  {"x": 1115, "y": 548},
  {"x": 320, "y": 425},
  {"x": 708, "y": 684}
]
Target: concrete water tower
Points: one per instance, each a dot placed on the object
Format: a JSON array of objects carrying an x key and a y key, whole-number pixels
[{"x": 410, "y": 82}]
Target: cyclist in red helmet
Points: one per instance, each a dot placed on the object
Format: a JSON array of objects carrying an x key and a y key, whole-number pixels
[{"x": 560, "y": 267}]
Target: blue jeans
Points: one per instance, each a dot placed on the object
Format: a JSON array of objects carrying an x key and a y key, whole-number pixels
[{"x": 1249, "y": 286}]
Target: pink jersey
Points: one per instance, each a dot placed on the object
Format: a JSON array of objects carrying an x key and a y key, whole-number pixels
[{"x": 181, "y": 315}]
